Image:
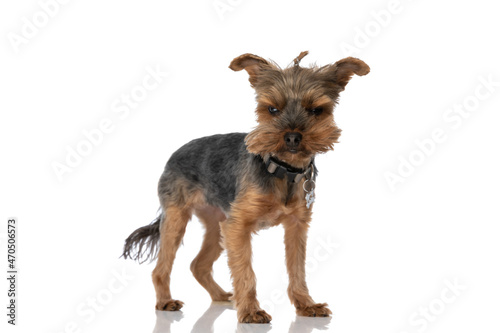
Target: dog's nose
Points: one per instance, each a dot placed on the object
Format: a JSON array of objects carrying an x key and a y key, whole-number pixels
[{"x": 293, "y": 139}]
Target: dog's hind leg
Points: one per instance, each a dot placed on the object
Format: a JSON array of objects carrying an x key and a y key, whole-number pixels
[
  {"x": 179, "y": 199},
  {"x": 172, "y": 231},
  {"x": 210, "y": 250}
]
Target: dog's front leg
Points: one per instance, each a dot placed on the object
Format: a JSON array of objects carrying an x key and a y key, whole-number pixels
[
  {"x": 295, "y": 246},
  {"x": 237, "y": 235}
]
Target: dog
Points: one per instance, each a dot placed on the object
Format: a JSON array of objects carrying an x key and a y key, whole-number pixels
[{"x": 239, "y": 183}]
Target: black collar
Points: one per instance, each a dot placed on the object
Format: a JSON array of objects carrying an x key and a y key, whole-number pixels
[{"x": 279, "y": 169}]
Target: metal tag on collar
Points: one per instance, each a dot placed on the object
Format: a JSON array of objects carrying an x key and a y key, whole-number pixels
[
  {"x": 309, "y": 194},
  {"x": 310, "y": 197}
]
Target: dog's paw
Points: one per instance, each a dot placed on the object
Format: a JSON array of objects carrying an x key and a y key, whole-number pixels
[
  {"x": 254, "y": 317},
  {"x": 169, "y": 305},
  {"x": 224, "y": 297},
  {"x": 316, "y": 310}
]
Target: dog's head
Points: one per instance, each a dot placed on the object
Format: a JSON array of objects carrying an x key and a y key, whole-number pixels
[{"x": 295, "y": 106}]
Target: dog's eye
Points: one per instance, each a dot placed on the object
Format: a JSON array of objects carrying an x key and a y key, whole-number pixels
[
  {"x": 273, "y": 110},
  {"x": 317, "y": 111}
]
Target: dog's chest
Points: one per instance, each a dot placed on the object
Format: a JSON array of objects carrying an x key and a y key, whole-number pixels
[{"x": 292, "y": 212}]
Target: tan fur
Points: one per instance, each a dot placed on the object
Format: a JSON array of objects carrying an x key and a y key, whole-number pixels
[
  {"x": 210, "y": 250},
  {"x": 172, "y": 231}
]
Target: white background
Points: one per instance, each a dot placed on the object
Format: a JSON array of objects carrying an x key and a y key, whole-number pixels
[{"x": 388, "y": 253}]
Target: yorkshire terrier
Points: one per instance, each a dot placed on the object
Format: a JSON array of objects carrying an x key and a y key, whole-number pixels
[{"x": 239, "y": 183}]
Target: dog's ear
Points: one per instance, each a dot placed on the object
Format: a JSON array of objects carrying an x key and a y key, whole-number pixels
[
  {"x": 342, "y": 71},
  {"x": 252, "y": 64}
]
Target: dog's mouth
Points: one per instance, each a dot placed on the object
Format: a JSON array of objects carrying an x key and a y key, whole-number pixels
[
  {"x": 295, "y": 157},
  {"x": 294, "y": 150}
]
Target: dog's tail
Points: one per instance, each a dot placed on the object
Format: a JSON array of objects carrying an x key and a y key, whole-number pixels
[{"x": 142, "y": 244}]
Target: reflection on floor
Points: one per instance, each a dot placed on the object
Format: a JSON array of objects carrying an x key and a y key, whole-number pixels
[{"x": 205, "y": 324}]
